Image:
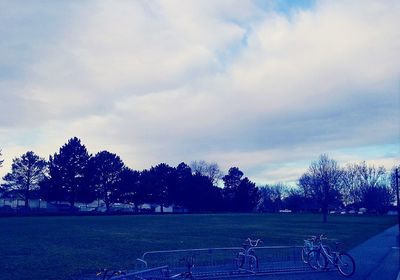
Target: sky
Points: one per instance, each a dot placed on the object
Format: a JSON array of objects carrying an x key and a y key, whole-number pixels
[{"x": 266, "y": 86}]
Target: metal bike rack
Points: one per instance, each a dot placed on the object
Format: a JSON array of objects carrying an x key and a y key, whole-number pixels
[
  {"x": 280, "y": 259},
  {"x": 216, "y": 263},
  {"x": 206, "y": 260}
]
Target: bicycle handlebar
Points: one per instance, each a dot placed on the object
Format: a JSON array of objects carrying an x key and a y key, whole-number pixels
[{"x": 253, "y": 243}]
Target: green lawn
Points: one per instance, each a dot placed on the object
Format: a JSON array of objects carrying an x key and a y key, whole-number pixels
[{"x": 61, "y": 247}]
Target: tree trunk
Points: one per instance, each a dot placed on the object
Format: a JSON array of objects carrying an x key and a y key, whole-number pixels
[
  {"x": 72, "y": 199},
  {"x": 325, "y": 202},
  {"x": 72, "y": 203},
  {"x": 107, "y": 202},
  {"x": 324, "y": 212},
  {"x": 162, "y": 208},
  {"x": 27, "y": 189},
  {"x": 26, "y": 200}
]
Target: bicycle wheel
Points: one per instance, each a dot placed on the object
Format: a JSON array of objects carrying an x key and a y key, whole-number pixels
[
  {"x": 346, "y": 264},
  {"x": 188, "y": 276},
  {"x": 317, "y": 260},
  {"x": 240, "y": 260},
  {"x": 304, "y": 254},
  {"x": 253, "y": 261}
]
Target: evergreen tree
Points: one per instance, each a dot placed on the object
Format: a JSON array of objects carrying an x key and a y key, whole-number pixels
[
  {"x": 129, "y": 189},
  {"x": 159, "y": 181},
  {"x": 26, "y": 174},
  {"x": 239, "y": 194},
  {"x": 68, "y": 173},
  {"x": 179, "y": 192},
  {"x": 106, "y": 169}
]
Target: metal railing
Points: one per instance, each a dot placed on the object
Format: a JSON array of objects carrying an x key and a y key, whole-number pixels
[
  {"x": 205, "y": 260},
  {"x": 279, "y": 259},
  {"x": 214, "y": 263},
  {"x": 156, "y": 273}
]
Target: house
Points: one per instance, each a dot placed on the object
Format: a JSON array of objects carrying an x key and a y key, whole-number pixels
[
  {"x": 16, "y": 201},
  {"x": 166, "y": 209}
]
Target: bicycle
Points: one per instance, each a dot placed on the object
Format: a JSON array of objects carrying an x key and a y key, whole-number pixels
[
  {"x": 108, "y": 274},
  {"x": 188, "y": 274},
  {"x": 307, "y": 247},
  {"x": 248, "y": 258},
  {"x": 320, "y": 257},
  {"x": 310, "y": 244}
]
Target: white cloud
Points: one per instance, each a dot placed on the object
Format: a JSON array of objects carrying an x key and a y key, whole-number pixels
[{"x": 224, "y": 81}]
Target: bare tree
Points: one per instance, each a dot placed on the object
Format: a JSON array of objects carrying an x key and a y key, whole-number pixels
[
  {"x": 350, "y": 188},
  {"x": 210, "y": 170},
  {"x": 321, "y": 182},
  {"x": 1, "y": 160},
  {"x": 367, "y": 186},
  {"x": 271, "y": 197}
]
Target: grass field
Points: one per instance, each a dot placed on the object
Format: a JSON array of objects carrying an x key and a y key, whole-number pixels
[{"x": 62, "y": 247}]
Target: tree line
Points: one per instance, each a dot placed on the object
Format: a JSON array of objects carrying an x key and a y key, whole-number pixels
[
  {"x": 73, "y": 175},
  {"x": 327, "y": 186}
]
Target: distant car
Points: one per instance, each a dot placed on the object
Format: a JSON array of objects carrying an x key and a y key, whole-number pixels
[
  {"x": 352, "y": 211},
  {"x": 360, "y": 213},
  {"x": 343, "y": 213},
  {"x": 122, "y": 208},
  {"x": 85, "y": 208},
  {"x": 362, "y": 210},
  {"x": 285, "y": 211},
  {"x": 332, "y": 212},
  {"x": 101, "y": 209}
]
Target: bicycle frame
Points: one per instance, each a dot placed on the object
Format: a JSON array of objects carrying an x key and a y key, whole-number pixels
[
  {"x": 249, "y": 257},
  {"x": 331, "y": 257}
]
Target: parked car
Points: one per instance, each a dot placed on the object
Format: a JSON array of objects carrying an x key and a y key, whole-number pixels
[
  {"x": 101, "y": 209},
  {"x": 85, "y": 208},
  {"x": 362, "y": 210},
  {"x": 122, "y": 208}
]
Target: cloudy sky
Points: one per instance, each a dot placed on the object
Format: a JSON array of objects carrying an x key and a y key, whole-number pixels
[{"x": 263, "y": 85}]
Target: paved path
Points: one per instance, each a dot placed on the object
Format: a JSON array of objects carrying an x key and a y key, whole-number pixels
[{"x": 377, "y": 258}]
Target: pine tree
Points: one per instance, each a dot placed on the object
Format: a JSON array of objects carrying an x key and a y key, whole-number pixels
[
  {"x": 26, "y": 174},
  {"x": 68, "y": 172}
]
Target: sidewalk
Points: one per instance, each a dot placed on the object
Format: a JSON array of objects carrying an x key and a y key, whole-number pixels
[{"x": 376, "y": 259}]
